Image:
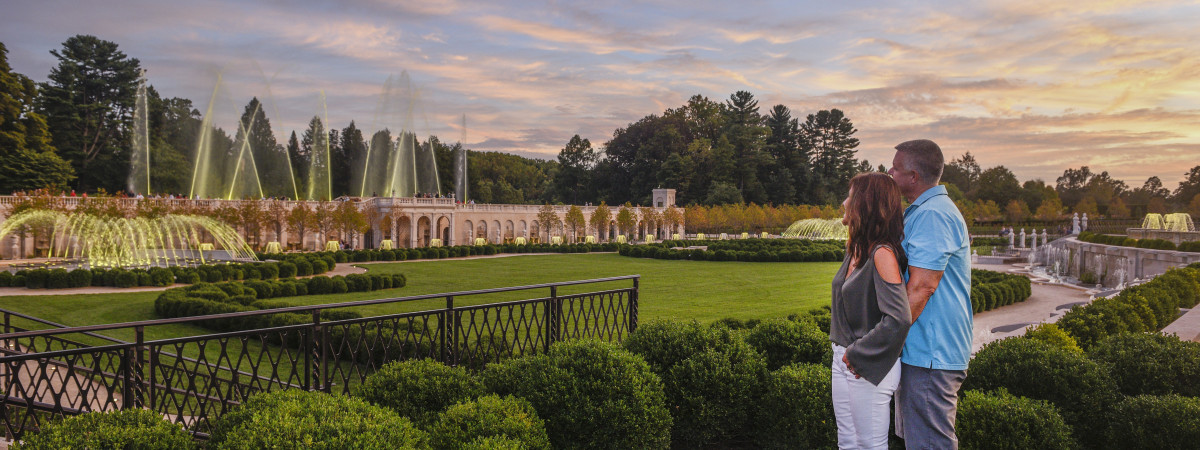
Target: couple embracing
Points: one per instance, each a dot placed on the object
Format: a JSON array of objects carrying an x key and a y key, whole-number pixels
[{"x": 901, "y": 313}]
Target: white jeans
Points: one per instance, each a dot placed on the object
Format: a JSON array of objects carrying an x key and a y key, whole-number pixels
[{"x": 861, "y": 408}]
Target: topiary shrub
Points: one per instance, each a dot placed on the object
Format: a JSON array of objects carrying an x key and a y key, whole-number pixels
[
  {"x": 711, "y": 378},
  {"x": 786, "y": 342},
  {"x": 319, "y": 285},
  {"x": 6, "y": 278},
  {"x": 398, "y": 280},
  {"x": 1081, "y": 389},
  {"x": 60, "y": 279},
  {"x": 269, "y": 271},
  {"x": 338, "y": 285},
  {"x": 18, "y": 280},
  {"x": 998, "y": 420},
  {"x": 287, "y": 269},
  {"x": 419, "y": 389},
  {"x": 160, "y": 276},
  {"x": 36, "y": 278},
  {"x": 796, "y": 409},
  {"x": 295, "y": 418},
  {"x": 130, "y": 429},
  {"x": 1151, "y": 364},
  {"x": 124, "y": 278},
  {"x": 1155, "y": 422},
  {"x": 489, "y": 416},
  {"x": 1051, "y": 334},
  {"x": 303, "y": 267},
  {"x": 591, "y": 395},
  {"x": 143, "y": 278}
]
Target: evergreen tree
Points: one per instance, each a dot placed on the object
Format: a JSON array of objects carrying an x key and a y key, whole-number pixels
[
  {"x": 828, "y": 136},
  {"x": 572, "y": 182},
  {"x": 88, "y": 102},
  {"x": 792, "y": 162},
  {"x": 298, "y": 157},
  {"x": 348, "y": 162},
  {"x": 28, "y": 160}
]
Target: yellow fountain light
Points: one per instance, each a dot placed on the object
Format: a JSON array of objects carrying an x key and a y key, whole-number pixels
[
  {"x": 274, "y": 247},
  {"x": 519, "y": 240},
  {"x": 480, "y": 241},
  {"x": 387, "y": 244},
  {"x": 589, "y": 239},
  {"x": 675, "y": 236},
  {"x": 332, "y": 246},
  {"x": 435, "y": 242}
]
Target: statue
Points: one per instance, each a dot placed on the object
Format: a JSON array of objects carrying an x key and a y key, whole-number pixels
[
  {"x": 1084, "y": 227},
  {"x": 1075, "y": 224},
  {"x": 1022, "y": 238}
]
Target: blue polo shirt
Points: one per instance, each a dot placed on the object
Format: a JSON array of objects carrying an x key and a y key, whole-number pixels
[{"x": 936, "y": 238}]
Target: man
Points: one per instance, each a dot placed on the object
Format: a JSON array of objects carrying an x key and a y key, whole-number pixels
[{"x": 938, "y": 347}]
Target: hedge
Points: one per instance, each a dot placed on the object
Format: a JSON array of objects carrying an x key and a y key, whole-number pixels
[
  {"x": 796, "y": 410},
  {"x": 753, "y": 250},
  {"x": 419, "y": 389},
  {"x": 403, "y": 254},
  {"x": 490, "y": 417},
  {"x": 1150, "y": 364},
  {"x": 1146, "y": 307},
  {"x": 134, "y": 429},
  {"x": 1051, "y": 334},
  {"x": 1079, "y": 387},
  {"x": 990, "y": 290},
  {"x": 295, "y": 418},
  {"x": 590, "y": 393},
  {"x": 997, "y": 420},
  {"x": 60, "y": 278},
  {"x": 712, "y": 378},
  {"x": 1153, "y": 244},
  {"x": 787, "y": 342},
  {"x": 1155, "y": 422}
]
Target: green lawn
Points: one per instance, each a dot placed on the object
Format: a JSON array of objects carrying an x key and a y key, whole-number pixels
[{"x": 682, "y": 290}]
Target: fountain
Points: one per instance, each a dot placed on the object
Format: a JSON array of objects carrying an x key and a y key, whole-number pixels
[
  {"x": 87, "y": 240},
  {"x": 818, "y": 229}
]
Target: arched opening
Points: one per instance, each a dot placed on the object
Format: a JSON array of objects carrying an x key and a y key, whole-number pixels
[
  {"x": 423, "y": 231},
  {"x": 403, "y": 237}
]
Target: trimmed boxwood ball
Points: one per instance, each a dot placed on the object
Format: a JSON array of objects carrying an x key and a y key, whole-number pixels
[
  {"x": 419, "y": 389},
  {"x": 36, "y": 278},
  {"x": 591, "y": 394},
  {"x": 785, "y": 342},
  {"x": 160, "y": 276},
  {"x": 489, "y": 416},
  {"x": 303, "y": 267},
  {"x": 6, "y": 278},
  {"x": 59, "y": 279},
  {"x": 1081, "y": 389},
  {"x": 1151, "y": 364},
  {"x": 135, "y": 428},
  {"x": 320, "y": 285},
  {"x": 295, "y": 418},
  {"x": 494, "y": 443},
  {"x": 1155, "y": 422},
  {"x": 796, "y": 409},
  {"x": 998, "y": 420},
  {"x": 287, "y": 269},
  {"x": 319, "y": 266},
  {"x": 711, "y": 377},
  {"x": 1053, "y": 335},
  {"x": 124, "y": 278}
]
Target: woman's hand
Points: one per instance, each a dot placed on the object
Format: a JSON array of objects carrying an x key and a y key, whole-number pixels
[{"x": 846, "y": 360}]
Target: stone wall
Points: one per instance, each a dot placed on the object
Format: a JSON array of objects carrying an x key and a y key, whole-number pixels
[
  {"x": 1104, "y": 260},
  {"x": 1176, "y": 237}
]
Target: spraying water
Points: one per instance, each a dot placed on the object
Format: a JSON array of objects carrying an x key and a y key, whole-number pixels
[
  {"x": 818, "y": 229},
  {"x": 139, "y": 170}
]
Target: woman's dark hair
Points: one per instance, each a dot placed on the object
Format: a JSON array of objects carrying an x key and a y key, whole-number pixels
[{"x": 874, "y": 217}]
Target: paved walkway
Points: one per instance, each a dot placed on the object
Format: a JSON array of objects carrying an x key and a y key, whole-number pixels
[{"x": 1047, "y": 303}]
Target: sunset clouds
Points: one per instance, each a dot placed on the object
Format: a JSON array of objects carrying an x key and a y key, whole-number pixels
[{"x": 1037, "y": 86}]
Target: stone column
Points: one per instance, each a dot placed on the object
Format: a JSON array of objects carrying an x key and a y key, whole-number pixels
[
  {"x": 453, "y": 229},
  {"x": 412, "y": 231}
]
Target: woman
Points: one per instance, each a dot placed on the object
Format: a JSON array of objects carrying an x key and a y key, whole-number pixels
[{"x": 870, "y": 313}]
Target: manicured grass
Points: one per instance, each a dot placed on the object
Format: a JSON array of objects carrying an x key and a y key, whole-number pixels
[{"x": 680, "y": 290}]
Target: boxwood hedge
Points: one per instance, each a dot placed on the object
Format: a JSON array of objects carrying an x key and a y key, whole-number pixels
[
  {"x": 1150, "y": 364},
  {"x": 419, "y": 389},
  {"x": 1001, "y": 421},
  {"x": 1155, "y": 422},
  {"x": 1146, "y": 307},
  {"x": 990, "y": 290},
  {"x": 796, "y": 410},
  {"x": 488, "y": 417},
  {"x": 135, "y": 428},
  {"x": 296, "y": 418},
  {"x": 755, "y": 250}
]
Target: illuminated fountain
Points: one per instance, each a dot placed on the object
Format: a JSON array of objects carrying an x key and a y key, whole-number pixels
[
  {"x": 88, "y": 240},
  {"x": 818, "y": 229}
]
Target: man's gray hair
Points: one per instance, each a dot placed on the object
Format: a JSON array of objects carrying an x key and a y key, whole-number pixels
[{"x": 925, "y": 157}]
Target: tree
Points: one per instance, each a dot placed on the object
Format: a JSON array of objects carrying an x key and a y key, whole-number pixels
[
  {"x": 572, "y": 181},
  {"x": 250, "y": 216},
  {"x": 324, "y": 220},
  {"x": 88, "y": 103},
  {"x": 547, "y": 219},
  {"x": 723, "y": 193},
  {"x": 829, "y": 136},
  {"x": 348, "y": 162},
  {"x": 1050, "y": 209},
  {"x": 255, "y": 134},
  {"x": 575, "y": 222},
  {"x": 625, "y": 219},
  {"x": 1086, "y": 206},
  {"x": 298, "y": 158},
  {"x": 300, "y": 220},
  {"x": 1117, "y": 209},
  {"x": 1016, "y": 211},
  {"x": 746, "y": 134},
  {"x": 792, "y": 159},
  {"x": 650, "y": 219},
  {"x": 349, "y": 220},
  {"x": 277, "y": 217},
  {"x": 1194, "y": 207},
  {"x": 997, "y": 184},
  {"x": 28, "y": 161},
  {"x": 599, "y": 221},
  {"x": 1189, "y": 187},
  {"x": 315, "y": 146},
  {"x": 671, "y": 218},
  {"x": 1071, "y": 184},
  {"x": 963, "y": 172}
]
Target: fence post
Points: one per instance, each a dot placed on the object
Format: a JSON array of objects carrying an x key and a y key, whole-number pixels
[
  {"x": 555, "y": 317},
  {"x": 140, "y": 334},
  {"x": 633, "y": 306},
  {"x": 450, "y": 336},
  {"x": 153, "y": 377},
  {"x": 313, "y": 342}
]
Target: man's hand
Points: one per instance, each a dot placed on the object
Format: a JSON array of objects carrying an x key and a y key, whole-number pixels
[
  {"x": 921, "y": 284},
  {"x": 846, "y": 361}
]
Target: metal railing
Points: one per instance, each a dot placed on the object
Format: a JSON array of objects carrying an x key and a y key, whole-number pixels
[{"x": 193, "y": 380}]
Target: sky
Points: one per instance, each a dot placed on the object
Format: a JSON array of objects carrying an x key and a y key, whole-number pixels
[{"x": 1036, "y": 86}]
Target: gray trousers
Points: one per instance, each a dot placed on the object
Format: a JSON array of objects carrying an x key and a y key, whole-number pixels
[{"x": 926, "y": 405}]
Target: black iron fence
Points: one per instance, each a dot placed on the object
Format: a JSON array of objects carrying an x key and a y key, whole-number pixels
[{"x": 192, "y": 380}]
